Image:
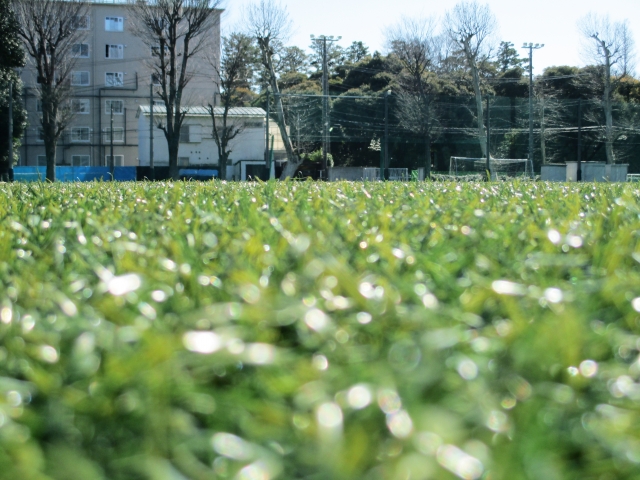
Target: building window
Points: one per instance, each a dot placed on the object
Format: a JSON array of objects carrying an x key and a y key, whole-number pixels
[
  {"x": 118, "y": 135},
  {"x": 42, "y": 160},
  {"x": 81, "y": 160},
  {"x": 191, "y": 133},
  {"x": 38, "y": 105},
  {"x": 114, "y": 24},
  {"x": 118, "y": 107},
  {"x": 254, "y": 124},
  {"x": 114, "y": 79},
  {"x": 80, "y": 134},
  {"x": 155, "y": 79},
  {"x": 81, "y": 22},
  {"x": 40, "y": 137},
  {"x": 183, "y": 161},
  {"x": 80, "y": 106},
  {"x": 184, "y": 134},
  {"x": 114, "y": 51},
  {"x": 80, "y": 50},
  {"x": 155, "y": 50},
  {"x": 79, "y": 79},
  {"x": 118, "y": 160}
]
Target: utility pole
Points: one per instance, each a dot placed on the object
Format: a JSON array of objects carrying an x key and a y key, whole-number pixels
[
  {"x": 531, "y": 48},
  {"x": 151, "y": 164},
  {"x": 384, "y": 174},
  {"x": 488, "y": 164},
  {"x": 322, "y": 40},
  {"x": 111, "y": 160},
  {"x": 579, "y": 174},
  {"x": 10, "y": 159}
]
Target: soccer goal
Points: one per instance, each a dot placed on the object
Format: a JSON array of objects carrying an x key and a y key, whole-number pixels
[{"x": 501, "y": 167}]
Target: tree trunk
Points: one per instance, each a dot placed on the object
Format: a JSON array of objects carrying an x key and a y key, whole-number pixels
[
  {"x": 608, "y": 107},
  {"x": 49, "y": 126},
  {"x": 50, "y": 152},
  {"x": 609, "y": 134},
  {"x": 222, "y": 166},
  {"x": 174, "y": 171},
  {"x": 482, "y": 134},
  {"x": 221, "y": 141},
  {"x": 290, "y": 168},
  {"x": 293, "y": 160}
]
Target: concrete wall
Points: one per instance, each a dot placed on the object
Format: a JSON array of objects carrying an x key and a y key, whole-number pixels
[
  {"x": 554, "y": 173},
  {"x": 593, "y": 172},
  {"x": 617, "y": 173},
  {"x": 601, "y": 172}
]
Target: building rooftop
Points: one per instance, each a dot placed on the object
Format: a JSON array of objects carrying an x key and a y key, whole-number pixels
[
  {"x": 204, "y": 111},
  {"x": 118, "y": 2},
  {"x": 129, "y": 2}
]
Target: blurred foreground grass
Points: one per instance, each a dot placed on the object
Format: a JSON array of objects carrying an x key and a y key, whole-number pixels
[{"x": 319, "y": 331}]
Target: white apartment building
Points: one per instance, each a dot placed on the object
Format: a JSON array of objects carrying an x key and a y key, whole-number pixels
[{"x": 111, "y": 74}]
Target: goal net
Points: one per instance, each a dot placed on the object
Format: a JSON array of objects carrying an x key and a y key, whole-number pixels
[{"x": 501, "y": 167}]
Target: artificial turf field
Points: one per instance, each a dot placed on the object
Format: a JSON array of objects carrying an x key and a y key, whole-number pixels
[{"x": 302, "y": 330}]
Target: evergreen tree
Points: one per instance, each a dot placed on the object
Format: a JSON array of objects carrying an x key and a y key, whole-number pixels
[
  {"x": 11, "y": 57},
  {"x": 508, "y": 59},
  {"x": 356, "y": 51}
]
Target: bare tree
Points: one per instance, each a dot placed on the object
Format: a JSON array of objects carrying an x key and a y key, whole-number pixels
[
  {"x": 418, "y": 47},
  {"x": 176, "y": 31},
  {"x": 610, "y": 46},
  {"x": 470, "y": 26},
  {"x": 49, "y": 30},
  {"x": 269, "y": 24},
  {"x": 232, "y": 78},
  {"x": 551, "y": 113}
]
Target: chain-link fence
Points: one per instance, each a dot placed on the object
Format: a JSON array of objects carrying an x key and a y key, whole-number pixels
[{"x": 441, "y": 127}]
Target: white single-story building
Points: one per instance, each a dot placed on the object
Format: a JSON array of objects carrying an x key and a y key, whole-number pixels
[{"x": 199, "y": 149}]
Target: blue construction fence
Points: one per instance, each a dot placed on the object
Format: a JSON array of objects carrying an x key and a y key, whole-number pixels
[{"x": 120, "y": 174}]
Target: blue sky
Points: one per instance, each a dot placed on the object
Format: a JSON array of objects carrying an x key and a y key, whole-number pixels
[{"x": 552, "y": 22}]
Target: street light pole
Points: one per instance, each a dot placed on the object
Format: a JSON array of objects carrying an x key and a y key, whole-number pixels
[
  {"x": 322, "y": 40},
  {"x": 531, "y": 48}
]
